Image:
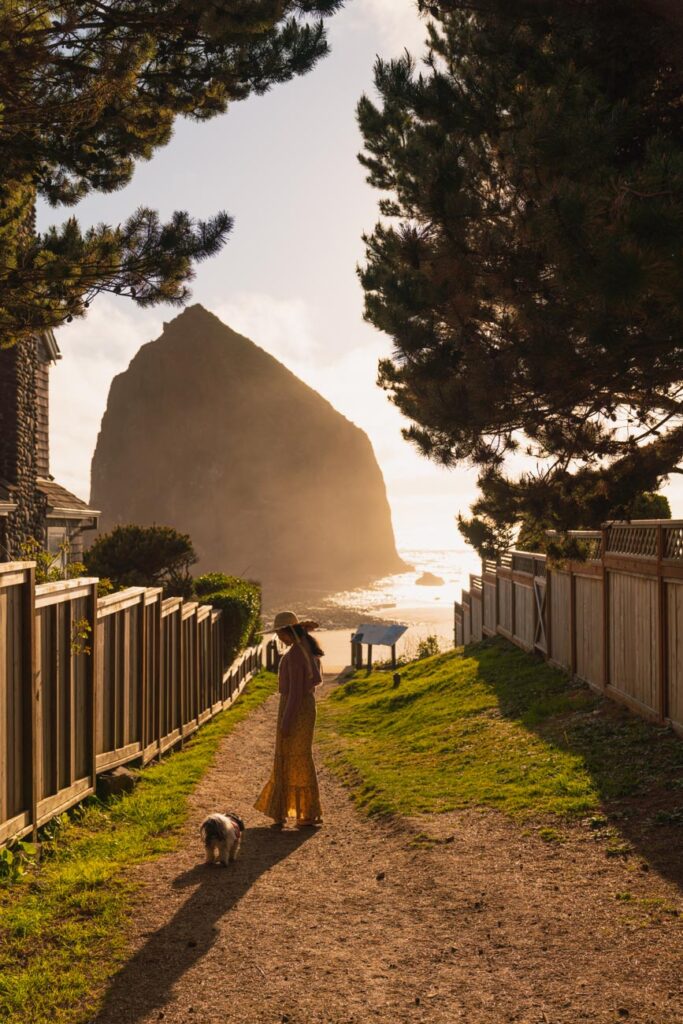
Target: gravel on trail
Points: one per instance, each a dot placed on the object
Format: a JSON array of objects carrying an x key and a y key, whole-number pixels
[{"x": 464, "y": 917}]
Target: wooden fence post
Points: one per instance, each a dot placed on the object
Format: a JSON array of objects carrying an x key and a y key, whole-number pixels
[
  {"x": 182, "y": 681},
  {"x": 605, "y": 612},
  {"x": 70, "y": 723},
  {"x": 513, "y": 600},
  {"x": 92, "y": 673},
  {"x": 572, "y": 621},
  {"x": 548, "y": 612},
  {"x": 196, "y": 663},
  {"x": 31, "y": 720},
  {"x": 160, "y": 674},
  {"x": 142, "y": 673},
  {"x": 663, "y": 629}
]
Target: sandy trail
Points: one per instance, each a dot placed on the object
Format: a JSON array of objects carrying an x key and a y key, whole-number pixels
[{"x": 351, "y": 923}]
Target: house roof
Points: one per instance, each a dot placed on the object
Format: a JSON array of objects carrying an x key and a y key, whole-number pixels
[
  {"x": 62, "y": 504},
  {"x": 50, "y": 346}
]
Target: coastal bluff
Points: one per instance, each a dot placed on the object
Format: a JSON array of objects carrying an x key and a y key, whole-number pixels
[{"x": 208, "y": 433}]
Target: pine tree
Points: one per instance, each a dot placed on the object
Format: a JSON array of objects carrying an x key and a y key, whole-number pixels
[
  {"x": 89, "y": 88},
  {"x": 528, "y": 264}
]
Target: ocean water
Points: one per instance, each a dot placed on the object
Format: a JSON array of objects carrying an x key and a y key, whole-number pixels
[{"x": 425, "y": 610}]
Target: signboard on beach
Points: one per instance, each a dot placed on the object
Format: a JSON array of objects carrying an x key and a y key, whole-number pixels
[{"x": 379, "y": 635}]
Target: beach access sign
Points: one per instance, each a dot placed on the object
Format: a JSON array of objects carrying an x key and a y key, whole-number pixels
[{"x": 379, "y": 636}]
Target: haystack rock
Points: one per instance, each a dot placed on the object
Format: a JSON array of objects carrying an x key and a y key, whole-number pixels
[{"x": 209, "y": 434}]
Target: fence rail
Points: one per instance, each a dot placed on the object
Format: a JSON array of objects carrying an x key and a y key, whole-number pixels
[
  {"x": 614, "y": 621},
  {"x": 88, "y": 683}
]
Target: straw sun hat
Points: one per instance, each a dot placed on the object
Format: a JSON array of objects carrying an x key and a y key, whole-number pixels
[{"x": 284, "y": 619}]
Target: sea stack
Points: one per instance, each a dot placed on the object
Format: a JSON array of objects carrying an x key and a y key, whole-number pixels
[{"x": 208, "y": 433}]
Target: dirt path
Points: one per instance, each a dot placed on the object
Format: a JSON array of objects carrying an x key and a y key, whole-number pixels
[{"x": 353, "y": 924}]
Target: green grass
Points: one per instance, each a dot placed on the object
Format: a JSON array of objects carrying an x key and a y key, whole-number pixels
[
  {"x": 63, "y": 926},
  {"x": 493, "y": 728}
]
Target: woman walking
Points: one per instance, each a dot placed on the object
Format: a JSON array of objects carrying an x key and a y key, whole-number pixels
[{"x": 292, "y": 790}]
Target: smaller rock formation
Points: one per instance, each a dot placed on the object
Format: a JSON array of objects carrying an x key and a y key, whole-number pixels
[{"x": 429, "y": 579}]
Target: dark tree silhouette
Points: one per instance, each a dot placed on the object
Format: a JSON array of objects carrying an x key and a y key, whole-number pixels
[
  {"x": 528, "y": 264},
  {"x": 87, "y": 89}
]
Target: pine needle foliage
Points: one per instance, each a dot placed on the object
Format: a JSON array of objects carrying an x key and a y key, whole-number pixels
[
  {"x": 528, "y": 262},
  {"x": 89, "y": 88}
]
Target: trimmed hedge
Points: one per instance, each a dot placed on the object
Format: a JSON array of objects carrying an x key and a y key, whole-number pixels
[{"x": 240, "y": 602}]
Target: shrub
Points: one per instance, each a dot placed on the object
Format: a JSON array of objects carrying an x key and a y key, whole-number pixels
[
  {"x": 144, "y": 556},
  {"x": 240, "y": 602},
  {"x": 214, "y": 583},
  {"x": 428, "y": 647},
  {"x": 49, "y": 571}
]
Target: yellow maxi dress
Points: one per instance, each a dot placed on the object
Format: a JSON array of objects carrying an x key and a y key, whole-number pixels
[{"x": 292, "y": 789}]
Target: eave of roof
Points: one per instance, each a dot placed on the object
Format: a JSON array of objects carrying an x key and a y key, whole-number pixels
[
  {"x": 50, "y": 345},
  {"x": 62, "y": 504}
]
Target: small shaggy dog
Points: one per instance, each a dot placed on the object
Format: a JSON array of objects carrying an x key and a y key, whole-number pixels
[{"x": 222, "y": 835}]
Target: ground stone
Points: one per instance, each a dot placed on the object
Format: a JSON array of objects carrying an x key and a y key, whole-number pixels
[{"x": 114, "y": 783}]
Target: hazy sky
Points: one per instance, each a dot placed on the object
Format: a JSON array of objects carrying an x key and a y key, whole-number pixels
[{"x": 284, "y": 165}]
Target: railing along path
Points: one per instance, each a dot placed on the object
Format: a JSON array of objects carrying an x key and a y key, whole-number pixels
[
  {"x": 614, "y": 620},
  {"x": 88, "y": 683}
]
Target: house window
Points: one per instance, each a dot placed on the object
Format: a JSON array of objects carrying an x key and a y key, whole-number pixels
[{"x": 57, "y": 546}]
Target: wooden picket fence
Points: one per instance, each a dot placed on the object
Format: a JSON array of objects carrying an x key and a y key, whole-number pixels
[
  {"x": 614, "y": 621},
  {"x": 88, "y": 683}
]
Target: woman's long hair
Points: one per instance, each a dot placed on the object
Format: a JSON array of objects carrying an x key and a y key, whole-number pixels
[{"x": 307, "y": 638}]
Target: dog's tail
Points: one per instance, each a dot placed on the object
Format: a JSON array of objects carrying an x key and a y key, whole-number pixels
[{"x": 238, "y": 821}]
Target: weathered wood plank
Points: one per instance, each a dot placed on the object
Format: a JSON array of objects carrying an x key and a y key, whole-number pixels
[
  {"x": 523, "y": 603},
  {"x": 12, "y": 579},
  {"x": 560, "y": 641},
  {"x": 589, "y": 631},
  {"x": 674, "y": 599},
  {"x": 63, "y": 591},
  {"x": 50, "y": 806},
  {"x": 633, "y": 608},
  {"x": 5, "y": 749},
  {"x": 114, "y": 758}
]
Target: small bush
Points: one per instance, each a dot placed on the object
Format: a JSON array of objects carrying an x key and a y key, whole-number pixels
[
  {"x": 428, "y": 647},
  {"x": 240, "y": 602},
  {"x": 14, "y": 861},
  {"x": 144, "y": 556},
  {"x": 214, "y": 583}
]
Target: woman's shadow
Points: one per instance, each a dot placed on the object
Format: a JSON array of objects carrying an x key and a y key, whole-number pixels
[{"x": 145, "y": 983}]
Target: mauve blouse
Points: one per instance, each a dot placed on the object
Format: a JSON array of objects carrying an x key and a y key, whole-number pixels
[{"x": 297, "y": 675}]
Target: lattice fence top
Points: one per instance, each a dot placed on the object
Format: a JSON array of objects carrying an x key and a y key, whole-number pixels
[
  {"x": 673, "y": 542},
  {"x": 593, "y": 548},
  {"x": 590, "y": 542},
  {"x": 640, "y": 541},
  {"x": 523, "y": 561}
]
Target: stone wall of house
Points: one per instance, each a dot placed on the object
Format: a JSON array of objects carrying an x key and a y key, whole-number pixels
[{"x": 18, "y": 443}]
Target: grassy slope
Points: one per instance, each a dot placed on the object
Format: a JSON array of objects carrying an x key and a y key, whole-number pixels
[
  {"x": 495, "y": 728},
  {"x": 62, "y": 927}
]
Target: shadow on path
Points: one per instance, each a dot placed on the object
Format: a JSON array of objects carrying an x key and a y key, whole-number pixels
[
  {"x": 146, "y": 981},
  {"x": 636, "y": 767}
]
